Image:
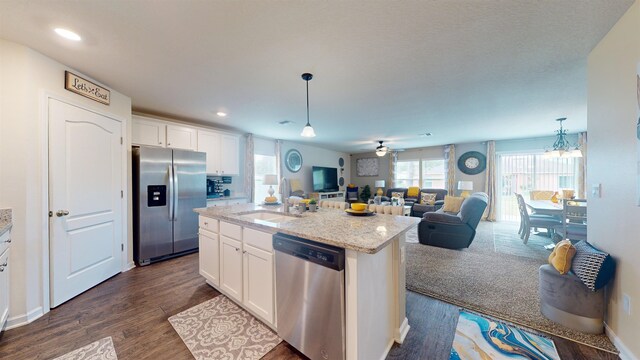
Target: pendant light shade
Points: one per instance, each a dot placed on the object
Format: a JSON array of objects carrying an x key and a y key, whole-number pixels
[
  {"x": 381, "y": 150},
  {"x": 308, "y": 130}
]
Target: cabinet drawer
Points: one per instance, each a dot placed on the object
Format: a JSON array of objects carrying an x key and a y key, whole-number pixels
[
  {"x": 208, "y": 224},
  {"x": 258, "y": 239},
  {"x": 231, "y": 230},
  {"x": 5, "y": 239}
]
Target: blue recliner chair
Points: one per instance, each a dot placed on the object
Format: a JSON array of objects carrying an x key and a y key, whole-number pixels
[{"x": 453, "y": 231}]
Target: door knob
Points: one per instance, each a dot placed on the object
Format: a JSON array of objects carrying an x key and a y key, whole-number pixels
[{"x": 61, "y": 213}]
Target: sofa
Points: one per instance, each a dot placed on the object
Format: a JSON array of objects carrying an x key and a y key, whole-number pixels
[
  {"x": 419, "y": 210},
  {"x": 453, "y": 231}
]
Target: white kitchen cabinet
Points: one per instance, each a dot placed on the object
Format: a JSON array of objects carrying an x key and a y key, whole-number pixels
[
  {"x": 4, "y": 287},
  {"x": 231, "y": 267},
  {"x": 181, "y": 137},
  {"x": 258, "y": 291},
  {"x": 209, "y": 142},
  {"x": 148, "y": 132},
  {"x": 209, "y": 255},
  {"x": 230, "y": 149},
  {"x": 223, "y": 152}
]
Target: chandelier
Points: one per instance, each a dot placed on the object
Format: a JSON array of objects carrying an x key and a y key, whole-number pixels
[{"x": 562, "y": 148}]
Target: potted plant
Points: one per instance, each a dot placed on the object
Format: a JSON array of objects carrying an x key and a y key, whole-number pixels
[
  {"x": 365, "y": 194},
  {"x": 313, "y": 204}
]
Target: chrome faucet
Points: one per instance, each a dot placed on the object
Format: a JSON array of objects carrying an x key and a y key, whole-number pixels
[{"x": 284, "y": 194}]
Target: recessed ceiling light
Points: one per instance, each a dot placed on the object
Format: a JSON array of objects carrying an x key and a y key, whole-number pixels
[
  {"x": 221, "y": 114},
  {"x": 67, "y": 34}
]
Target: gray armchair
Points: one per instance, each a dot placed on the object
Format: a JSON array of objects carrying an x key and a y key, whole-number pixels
[
  {"x": 419, "y": 210},
  {"x": 453, "y": 231}
]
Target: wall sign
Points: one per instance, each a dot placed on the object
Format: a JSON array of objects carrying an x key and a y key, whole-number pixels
[{"x": 86, "y": 88}]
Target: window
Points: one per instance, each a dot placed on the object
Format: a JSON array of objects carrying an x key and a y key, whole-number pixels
[
  {"x": 407, "y": 173},
  {"x": 521, "y": 173},
  {"x": 433, "y": 174},
  {"x": 426, "y": 173},
  {"x": 264, "y": 165}
]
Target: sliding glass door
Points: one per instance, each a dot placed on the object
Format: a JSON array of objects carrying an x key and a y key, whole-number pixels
[{"x": 523, "y": 172}]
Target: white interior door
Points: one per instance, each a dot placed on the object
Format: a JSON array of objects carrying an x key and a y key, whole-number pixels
[{"x": 85, "y": 177}]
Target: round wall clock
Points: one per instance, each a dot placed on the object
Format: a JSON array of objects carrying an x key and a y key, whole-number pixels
[
  {"x": 472, "y": 163},
  {"x": 293, "y": 160}
]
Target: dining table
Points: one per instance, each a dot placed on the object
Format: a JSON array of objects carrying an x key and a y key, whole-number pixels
[{"x": 545, "y": 207}]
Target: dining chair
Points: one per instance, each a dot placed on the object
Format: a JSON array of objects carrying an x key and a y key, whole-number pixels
[
  {"x": 527, "y": 221},
  {"x": 574, "y": 220}
]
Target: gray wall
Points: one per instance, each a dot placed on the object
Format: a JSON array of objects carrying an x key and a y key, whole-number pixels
[
  {"x": 314, "y": 156},
  {"x": 361, "y": 181}
]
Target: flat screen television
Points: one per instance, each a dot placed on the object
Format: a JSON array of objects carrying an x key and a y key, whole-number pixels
[{"x": 325, "y": 179}]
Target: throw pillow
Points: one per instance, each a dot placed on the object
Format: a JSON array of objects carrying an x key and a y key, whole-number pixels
[
  {"x": 397, "y": 194},
  {"x": 562, "y": 255},
  {"x": 594, "y": 267},
  {"x": 413, "y": 192},
  {"x": 428, "y": 198},
  {"x": 452, "y": 204}
]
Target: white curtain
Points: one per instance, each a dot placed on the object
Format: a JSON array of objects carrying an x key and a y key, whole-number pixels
[
  {"x": 450, "y": 157},
  {"x": 490, "y": 182},
  {"x": 249, "y": 179},
  {"x": 582, "y": 166},
  {"x": 393, "y": 163}
]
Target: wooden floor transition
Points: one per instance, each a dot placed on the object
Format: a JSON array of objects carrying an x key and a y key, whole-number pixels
[{"x": 133, "y": 308}]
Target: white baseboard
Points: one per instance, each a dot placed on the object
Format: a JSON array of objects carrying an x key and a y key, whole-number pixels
[
  {"x": 17, "y": 321},
  {"x": 402, "y": 332},
  {"x": 387, "y": 349},
  {"x": 129, "y": 266},
  {"x": 625, "y": 353}
]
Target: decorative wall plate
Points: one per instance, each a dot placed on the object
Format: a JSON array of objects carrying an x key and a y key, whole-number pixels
[
  {"x": 472, "y": 163},
  {"x": 293, "y": 160}
]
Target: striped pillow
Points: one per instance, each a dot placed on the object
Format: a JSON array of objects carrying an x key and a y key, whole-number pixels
[{"x": 594, "y": 267}]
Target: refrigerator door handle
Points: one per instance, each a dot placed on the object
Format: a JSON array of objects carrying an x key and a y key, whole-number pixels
[
  {"x": 175, "y": 193},
  {"x": 170, "y": 195}
]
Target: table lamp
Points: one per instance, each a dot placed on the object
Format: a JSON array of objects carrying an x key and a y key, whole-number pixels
[
  {"x": 465, "y": 186},
  {"x": 379, "y": 184},
  {"x": 270, "y": 180}
]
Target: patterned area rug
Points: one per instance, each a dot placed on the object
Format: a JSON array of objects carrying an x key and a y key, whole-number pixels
[
  {"x": 99, "y": 350},
  {"x": 220, "y": 329},
  {"x": 480, "y": 338},
  {"x": 497, "y": 284}
]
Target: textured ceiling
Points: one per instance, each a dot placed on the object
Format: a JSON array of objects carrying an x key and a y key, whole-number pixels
[{"x": 462, "y": 70}]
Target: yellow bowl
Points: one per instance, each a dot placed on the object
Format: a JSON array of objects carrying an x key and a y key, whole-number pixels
[{"x": 359, "y": 206}]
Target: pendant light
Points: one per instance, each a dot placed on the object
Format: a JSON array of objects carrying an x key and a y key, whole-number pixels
[
  {"x": 308, "y": 130},
  {"x": 381, "y": 150},
  {"x": 562, "y": 148}
]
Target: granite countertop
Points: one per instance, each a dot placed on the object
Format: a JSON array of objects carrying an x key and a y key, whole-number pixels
[
  {"x": 227, "y": 198},
  {"x": 368, "y": 234},
  {"x": 5, "y": 220}
]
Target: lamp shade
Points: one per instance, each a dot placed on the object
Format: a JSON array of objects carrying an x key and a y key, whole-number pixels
[
  {"x": 465, "y": 185},
  {"x": 270, "y": 180},
  {"x": 379, "y": 184}
]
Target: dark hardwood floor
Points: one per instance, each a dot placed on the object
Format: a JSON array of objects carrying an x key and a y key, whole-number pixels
[{"x": 133, "y": 308}]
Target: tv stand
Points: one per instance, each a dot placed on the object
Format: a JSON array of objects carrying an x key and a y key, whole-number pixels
[{"x": 330, "y": 195}]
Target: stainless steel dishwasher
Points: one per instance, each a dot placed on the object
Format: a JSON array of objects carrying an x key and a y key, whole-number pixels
[{"x": 310, "y": 296}]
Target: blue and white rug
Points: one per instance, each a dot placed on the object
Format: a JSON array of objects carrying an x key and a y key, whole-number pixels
[{"x": 479, "y": 338}]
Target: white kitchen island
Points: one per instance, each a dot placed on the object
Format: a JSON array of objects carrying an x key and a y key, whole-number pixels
[{"x": 375, "y": 312}]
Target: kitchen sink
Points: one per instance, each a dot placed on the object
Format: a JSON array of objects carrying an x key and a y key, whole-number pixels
[{"x": 267, "y": 216}]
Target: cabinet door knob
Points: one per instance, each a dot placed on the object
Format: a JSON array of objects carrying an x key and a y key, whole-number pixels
[
  {"x": 169, "y": 144},
  {"x": 8, "y": 241},
  {"x": 206, "y": 223},
  {"x": 61, "y": 213},
  {"x": 160, "y": 142},
  {"x": 237, "y": 249},
  {"x": 244, "y": 251}
]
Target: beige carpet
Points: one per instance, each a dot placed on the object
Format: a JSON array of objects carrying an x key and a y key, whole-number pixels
[
  {"x": 220, "y": 329},
  {"x": 498, "y": 284},
  {"x": 99, "y": 350}
]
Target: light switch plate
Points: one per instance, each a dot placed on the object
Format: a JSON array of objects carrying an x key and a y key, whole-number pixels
[{"x": 595, "y": 190}]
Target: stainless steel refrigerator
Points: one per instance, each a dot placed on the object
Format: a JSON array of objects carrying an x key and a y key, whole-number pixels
[{"x": 167, "y": 185}]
